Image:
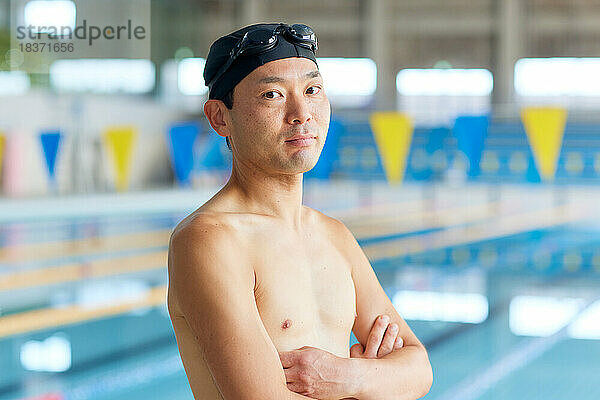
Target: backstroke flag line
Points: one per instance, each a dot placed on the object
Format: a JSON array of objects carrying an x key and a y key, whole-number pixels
[
  {"x": 119, "y": 142},
  {"x": 545, "y": 127},
  {"x": 393, "y": 134}
]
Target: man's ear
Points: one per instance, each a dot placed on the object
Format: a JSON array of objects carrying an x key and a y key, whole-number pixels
[{"x": 215, "y": 113}]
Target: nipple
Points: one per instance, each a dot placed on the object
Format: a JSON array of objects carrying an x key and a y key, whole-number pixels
[{"x": 286, "y": 324}]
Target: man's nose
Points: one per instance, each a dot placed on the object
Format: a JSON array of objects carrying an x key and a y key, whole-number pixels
[{"x": 298, "y": 110}]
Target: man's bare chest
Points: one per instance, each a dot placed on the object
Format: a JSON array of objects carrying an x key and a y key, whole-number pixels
[{"x": 304, "y": 291}]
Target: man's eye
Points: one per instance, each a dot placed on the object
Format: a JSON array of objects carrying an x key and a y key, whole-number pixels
[
  {"x": 271, "y": 94},
  {"x": 313, "y": 90}
]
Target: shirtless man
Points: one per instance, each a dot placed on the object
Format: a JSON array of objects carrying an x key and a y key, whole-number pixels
[{"x": 264, "y": 291}]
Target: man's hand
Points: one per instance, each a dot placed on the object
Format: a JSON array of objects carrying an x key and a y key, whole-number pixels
[
  {"x": 383, "y": 339},
  {"x": 319, "y": 374}
]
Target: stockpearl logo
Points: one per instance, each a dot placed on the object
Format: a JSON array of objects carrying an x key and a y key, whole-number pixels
[
  {"x": 45, "y": 31},
  {"x": 91, "y": 33}
]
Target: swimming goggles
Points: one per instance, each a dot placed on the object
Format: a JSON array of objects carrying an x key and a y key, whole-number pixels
[{"x": 260, "y": 40}]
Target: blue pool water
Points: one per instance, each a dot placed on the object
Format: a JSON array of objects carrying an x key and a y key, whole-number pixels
[{"x": 503, "y": 317}]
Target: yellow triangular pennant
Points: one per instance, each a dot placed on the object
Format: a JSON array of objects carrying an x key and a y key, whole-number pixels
[
  {"x": 393, "y": 134},
  {"x": 119, "y": 141},
  {"x": 2, "y": 140},
  {"x": 545, "y": 127}
]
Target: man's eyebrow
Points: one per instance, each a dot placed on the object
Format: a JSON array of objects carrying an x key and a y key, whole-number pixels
[
  {"x": 271, "y": 79},
  {"x": 277, "y": 79},
  {"x": 313, "y": 74}
]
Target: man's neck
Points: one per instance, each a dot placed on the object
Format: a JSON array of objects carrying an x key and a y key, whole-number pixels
[{"x": 276, "y": 195}]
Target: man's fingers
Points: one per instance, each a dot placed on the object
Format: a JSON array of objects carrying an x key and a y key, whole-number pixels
[
  {"x": 295, "y": 387},
  {"x": 376, "y": 336},
  {"x": 356, "y": 351},
  {"x": 387, "y": 344},
  {"x": 399, "y": 343},
  {"x": 290, "y": 375}
]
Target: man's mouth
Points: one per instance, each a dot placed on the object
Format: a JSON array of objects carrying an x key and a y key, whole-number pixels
[
  {"x": 297, "y": 137},
  {"x": 302, "y": 141}
]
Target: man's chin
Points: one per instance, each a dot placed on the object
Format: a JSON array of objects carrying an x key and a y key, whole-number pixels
[
  {"x": 301, "y": 169},
  {"x": 303, "y": 161}
]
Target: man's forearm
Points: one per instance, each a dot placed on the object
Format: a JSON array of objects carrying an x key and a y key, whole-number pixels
[{"x": 403, "y": 374}]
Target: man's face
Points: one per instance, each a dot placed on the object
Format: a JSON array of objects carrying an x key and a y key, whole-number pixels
[{"x": 274, "y": 103}]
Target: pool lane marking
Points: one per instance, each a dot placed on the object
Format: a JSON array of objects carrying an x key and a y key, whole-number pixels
[
  {"x": 373, "y": 209},
  {"x": 473, "y": 387},
  {"x": 375, "y": 252},
  {"x": 125, "y": 264},
  {"x": 46, "y": 318},
  {"x": 78, "y": 271},
  {"x": 428, "y": 219},
  {"x": 80, "y": 247},
  {"x": 499, "y": 227}
]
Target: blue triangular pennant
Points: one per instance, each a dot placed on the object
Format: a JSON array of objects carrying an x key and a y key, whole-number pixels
[
  {"x": 182, "y": 137},
  {"x": 470, "y": 132},
  {"x": 325, "y": 164},
  {"x": 50, "y": 141},
  {"x": 214, "y": 154}
]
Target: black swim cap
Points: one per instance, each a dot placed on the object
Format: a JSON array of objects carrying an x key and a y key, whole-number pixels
[{"x": 219, "y": 54}]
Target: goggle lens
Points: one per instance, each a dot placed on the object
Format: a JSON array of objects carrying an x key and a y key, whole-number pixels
[
  {"x": 305, "y": 35},
  {"x": 260, "y": 37},
  {"x": 302, "y": 31}
]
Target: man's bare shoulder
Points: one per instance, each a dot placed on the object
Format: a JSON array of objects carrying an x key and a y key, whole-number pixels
[
  {"x": 199, "y": 231},
  {"x": 201, "y": 223},
  {"x": 213, "y": 219},
  {"x": 202, "y": 248},
  {"x": 337, "y": 231},
  {"x": 215, "y": 233}
]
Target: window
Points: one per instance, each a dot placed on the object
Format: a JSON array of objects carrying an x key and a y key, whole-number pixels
[
  {"x": 349, "y": 82},
  {"x": 436, "y": 96},
  {"x": 103, "y": 75},
  {"x": 190, "y": 80}
]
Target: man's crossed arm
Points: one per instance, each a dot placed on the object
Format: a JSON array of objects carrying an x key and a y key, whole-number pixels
[
  {"x": 402, "y": 373},
  {"x": 304, "y": 377}
]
